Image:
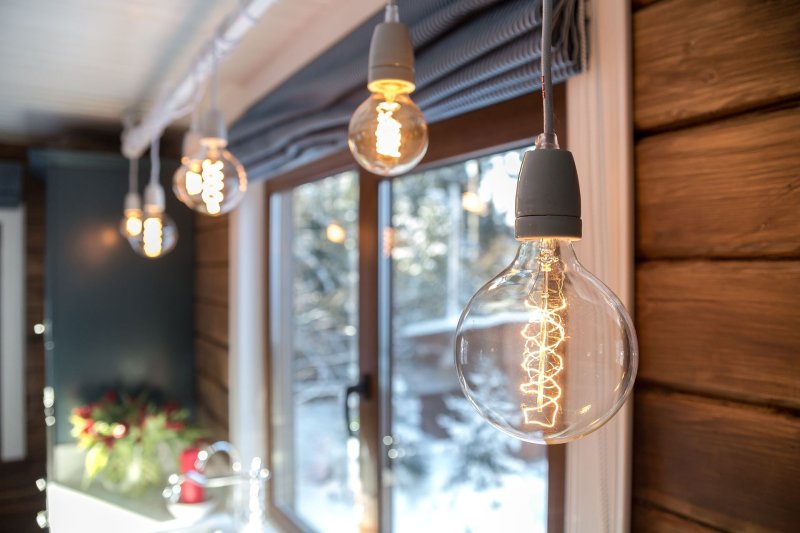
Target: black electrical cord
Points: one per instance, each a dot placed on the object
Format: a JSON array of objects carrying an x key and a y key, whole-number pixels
[{"x": 547, "y": 74}]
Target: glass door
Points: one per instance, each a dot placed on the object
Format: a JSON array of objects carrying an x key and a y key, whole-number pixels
[{"x": 448, "y": 230}]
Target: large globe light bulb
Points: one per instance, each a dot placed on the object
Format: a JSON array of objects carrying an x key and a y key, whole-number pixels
[
  {"x": 388, "y": 134},
  {"x": 548, "y": 334},
  {"x": 560, "y": 341}
]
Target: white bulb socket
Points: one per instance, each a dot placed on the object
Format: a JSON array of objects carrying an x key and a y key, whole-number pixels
[
  {"x": 133, "y": 201},
  {"x": 191, "y": 145},
  {"x": 154, "y": 198},
  {"x": 213, "y": 129}
]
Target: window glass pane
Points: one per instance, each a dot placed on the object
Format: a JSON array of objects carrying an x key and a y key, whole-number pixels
[
  {"x": 315, "y": 478},
  {"x": 453, "y": 229}
]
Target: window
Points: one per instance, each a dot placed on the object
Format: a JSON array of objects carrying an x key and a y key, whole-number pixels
[
  {"x": 316, "y": 354},
  {"x": 452, "y": 229},
  {"x": 368, "y": 277}
]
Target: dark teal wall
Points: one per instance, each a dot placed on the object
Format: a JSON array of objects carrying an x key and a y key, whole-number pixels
[{"x": 115, "y": 318}]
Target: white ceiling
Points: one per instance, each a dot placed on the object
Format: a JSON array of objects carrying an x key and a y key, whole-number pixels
[{"x": 83, "y": 63}]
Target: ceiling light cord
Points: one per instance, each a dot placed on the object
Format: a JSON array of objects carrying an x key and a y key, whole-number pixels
[
  {"x": 392, "y": 12},
  {"x": 547, "y": 74},
  {"x": 214, "y": 78},
  {"x": 133, "y": 174},
  {"x": 155, "y": 161}
]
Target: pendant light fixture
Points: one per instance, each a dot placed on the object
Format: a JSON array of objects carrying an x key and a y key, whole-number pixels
[
  {"x": 547, "y": 333},
  {"x": 159, "y": 233},
  {"x": 387, "y": 133},
  {"x": 210, "y": 180},
  {"x": 131, "y": 224}
]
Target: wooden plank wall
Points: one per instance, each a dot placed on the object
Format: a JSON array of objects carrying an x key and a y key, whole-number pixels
[
  {"x": 717, "y": 403},
  {"x": 211, "y": 323},
  {"x": 20, "y": 500}
]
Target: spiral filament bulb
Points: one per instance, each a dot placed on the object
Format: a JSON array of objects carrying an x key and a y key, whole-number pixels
[
  {"x": 387, "y": 134},
  {"x": 213, "y": 183},
  {"x": 544, "y": 334},
  {"x": 152, "y": 236}
]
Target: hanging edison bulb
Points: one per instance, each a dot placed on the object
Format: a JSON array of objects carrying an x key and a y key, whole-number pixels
[
  {"x": 560, "y": 341},
  {"x": 211, "y": 180},
  {"x": 159, "y": 234},
  {"x": 544, "y": 351},
  {"x": 388, "y": 134},
  {"x": 131, "y": 223}
]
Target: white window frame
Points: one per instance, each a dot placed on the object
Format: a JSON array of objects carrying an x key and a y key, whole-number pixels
[
  {"x": 12, "y": 334},
  {"x": 600, "y": 135}
]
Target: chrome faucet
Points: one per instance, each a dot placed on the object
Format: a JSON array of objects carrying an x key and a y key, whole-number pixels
[{"x": 248, "y": 501}]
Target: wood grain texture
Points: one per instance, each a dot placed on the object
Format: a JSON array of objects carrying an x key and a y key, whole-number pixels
[
  {"x": 215, "y": 398},
  {"x": 694, "y": 60},
  {"x": 730, "y": 466},
  {"x": 727, "y": 189},
  {"x": 211, "y": 284},
  {"x": 724, "y": 328},
  {"x": 211, "y": 360},
  {"x": 211, "y": 245},
  {"x": 638, "y": 4},
  {"x": 647, "y": 519},
  {"x": 211, "y": 323}
]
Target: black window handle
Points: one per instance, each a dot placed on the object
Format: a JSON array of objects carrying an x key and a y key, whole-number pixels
[{"x": 362, "y": 389}]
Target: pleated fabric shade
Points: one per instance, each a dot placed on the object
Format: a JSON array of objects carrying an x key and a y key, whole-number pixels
[{"x": 469, "y": 54}]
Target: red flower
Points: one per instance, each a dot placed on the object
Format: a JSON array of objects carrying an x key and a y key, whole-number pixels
[
  {"x": 84, "y": 411},
  {"x": 109, "y": 441},
  {"x": 87, "y": 428},
  {"x": 177, "y": 426},
  {"x": 111, "y": 396}
]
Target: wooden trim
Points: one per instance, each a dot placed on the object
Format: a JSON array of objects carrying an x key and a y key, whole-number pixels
[
  {"x": 556, "y": 487},
  {"x": 314, "y": 171},
  {"x": 368, "y": 357},
  {"x": 601, "y": 140},
  {"x": 514, "y": 123},
  {"x": 493, "y": 129}
]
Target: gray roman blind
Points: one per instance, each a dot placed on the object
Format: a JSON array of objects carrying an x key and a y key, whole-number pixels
[{"x": 469, "y": 54}]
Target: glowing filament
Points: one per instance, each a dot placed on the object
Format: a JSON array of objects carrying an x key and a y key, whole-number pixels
[
  {"x": 387, "y": 134},
  {"x": 194, "y": 182},
  {"x": 153, "y": 236},
  {"x": 213, "y": 183},
  {"x": 133, "y": 222},
  {"x": 544, "y": 334}
]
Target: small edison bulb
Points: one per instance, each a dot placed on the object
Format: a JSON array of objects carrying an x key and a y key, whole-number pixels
[
  {"x": 211, "y": 181},
  {"x": 131, "y": 224},
  {"x": 158, "y": 236},
  {"x": 387, "y": 133},
  {"x": 544, "y": 351}
]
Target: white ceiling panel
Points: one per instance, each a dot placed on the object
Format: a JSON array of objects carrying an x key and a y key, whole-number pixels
[{"x": 66, "y": 63}]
